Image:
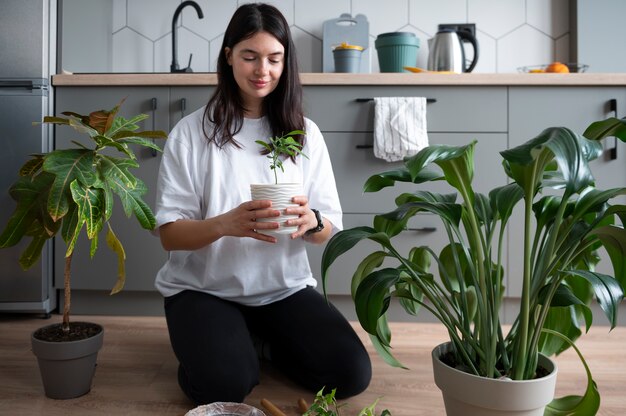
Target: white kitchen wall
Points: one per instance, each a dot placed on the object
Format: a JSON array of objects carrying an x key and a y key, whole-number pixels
[{"x": 511, "y": 33}]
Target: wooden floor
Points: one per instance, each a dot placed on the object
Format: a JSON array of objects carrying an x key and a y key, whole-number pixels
[{"x": 136, "y": 373}]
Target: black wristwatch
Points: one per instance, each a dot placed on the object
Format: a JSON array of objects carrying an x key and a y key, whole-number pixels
[{"x": 320, "y": 223}]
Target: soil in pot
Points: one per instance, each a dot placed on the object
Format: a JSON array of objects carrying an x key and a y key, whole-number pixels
[{"x": 78, "y": 331}]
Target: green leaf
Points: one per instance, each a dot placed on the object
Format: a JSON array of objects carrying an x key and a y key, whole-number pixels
[
  {"x": 448, "y": 271},
  {"x": 504, "y": 199},
  {"x": 367, "y": 265},
  {"x": 614, "y": 240},
  {"x": 32, "y": 166},
  {"x": 67, "y": 165},
  {"x": 437, "y": 154},
  {"x": 448, "y": 212},
  {"x": 611, "y": 127},
  {"x": 564, "y": 321},
  {"x": 114, "y": 244},
  {"x": 90, "y": 204},
  {"x": 528, "y": 162},
  {"x": 372, "y": 297},
  {"x": 132, "y": 201},
  {"x": 382, "y": 180},
  {"x": 141, "y": 142},
  {"x": 120, "y": 124},
  {"x": 608, "y": 292},
  {"x": 586, "y": 405},
  {"x": 343, "y": 241}
]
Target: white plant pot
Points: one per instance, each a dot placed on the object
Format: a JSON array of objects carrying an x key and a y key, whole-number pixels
[
  {"x": 465, "y": 394},
  {"x": 281, "y": 195}
]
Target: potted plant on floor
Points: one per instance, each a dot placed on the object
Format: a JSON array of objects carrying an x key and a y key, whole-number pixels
[
  {"x": 279, "y": 193},
  {"x": 563, "y": 229},
  {"x": 63, "y": 192}
]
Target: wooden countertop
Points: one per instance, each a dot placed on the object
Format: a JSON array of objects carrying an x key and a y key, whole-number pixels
[{"x": 478, "y": 79}]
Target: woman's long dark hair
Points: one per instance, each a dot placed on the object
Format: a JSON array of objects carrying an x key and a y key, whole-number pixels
[{"x": 282, "y": 107}]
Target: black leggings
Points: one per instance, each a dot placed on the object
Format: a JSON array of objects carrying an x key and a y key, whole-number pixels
[{"x": 310, "y": 341}]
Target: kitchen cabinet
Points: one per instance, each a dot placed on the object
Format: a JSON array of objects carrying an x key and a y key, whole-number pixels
[
  {"x": 455, "y": 116},
  {"x": 497, "y": 116},
  {"x": 532, "y": 109},
  {"x": 186, "y": 100},
  {"x": 144, "y": 254}
]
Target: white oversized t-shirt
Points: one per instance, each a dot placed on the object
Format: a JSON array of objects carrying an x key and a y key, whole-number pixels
[{"x": 198, "y": 180}]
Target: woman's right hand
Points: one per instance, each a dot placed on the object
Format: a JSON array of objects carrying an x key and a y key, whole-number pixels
[{"x": 241, "y": 221}]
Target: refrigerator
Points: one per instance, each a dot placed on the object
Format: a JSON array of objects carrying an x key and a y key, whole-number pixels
[{"x": 27, "y": 58}]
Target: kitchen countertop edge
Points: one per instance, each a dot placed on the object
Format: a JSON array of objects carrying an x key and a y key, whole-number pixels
[{"x": 200, "y": 79}]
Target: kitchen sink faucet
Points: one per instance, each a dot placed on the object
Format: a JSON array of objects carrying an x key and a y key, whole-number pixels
[{"x": 174, "y": 66}]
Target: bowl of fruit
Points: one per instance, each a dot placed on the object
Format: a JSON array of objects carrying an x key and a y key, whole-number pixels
[{"x": 554, "y": 68}]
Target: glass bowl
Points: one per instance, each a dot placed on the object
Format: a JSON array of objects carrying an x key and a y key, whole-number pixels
[{"x": 540, "y": 69}]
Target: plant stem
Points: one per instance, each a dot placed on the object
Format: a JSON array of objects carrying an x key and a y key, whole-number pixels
[
  {"x": 67, "y": 293},
  {"x": 521, "y": 347}
]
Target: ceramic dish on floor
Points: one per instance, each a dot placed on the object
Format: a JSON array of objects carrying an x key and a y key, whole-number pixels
[{"x": 225, "y": 409}]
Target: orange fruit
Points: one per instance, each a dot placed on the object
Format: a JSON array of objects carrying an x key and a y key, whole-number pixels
[{"x": 557, "y": 67}]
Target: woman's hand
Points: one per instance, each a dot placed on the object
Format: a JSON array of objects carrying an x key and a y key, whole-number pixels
[
  {"x": 241, "y": 221},
  {"x": 306, "y": 219}
]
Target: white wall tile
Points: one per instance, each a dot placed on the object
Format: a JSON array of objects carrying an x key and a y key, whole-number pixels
[
  {"x": 487, "y": 53},
  {"x": 119, "y": 14},
  {"x": 549, "y": 16},
  {"x": 216, "y": 13},
  {"x": 309, "y": 50},
  {"x": 132, "y": 52},
  {"x": 514, "y": 50},
  {"x": 152, "y": 19},
  {"x": 511, "y": 33},
  {"x": 424, "y": 16},
  {"x": 310, "y": 16},
  {"x": 383, "y": 16},
  {"x": 496, "y": 18},
  {"x": 214, "y": 52}
]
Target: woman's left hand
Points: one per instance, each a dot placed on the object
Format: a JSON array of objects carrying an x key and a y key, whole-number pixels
[{"x": 306, "y": 219}]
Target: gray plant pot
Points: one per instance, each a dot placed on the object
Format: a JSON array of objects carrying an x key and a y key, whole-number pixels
[
  {"x": 67, "y": 368},
  {"x": 469, "y": 395}
]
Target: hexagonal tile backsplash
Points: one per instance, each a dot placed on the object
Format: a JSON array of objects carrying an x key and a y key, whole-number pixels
[{"x": 511, "y": 33}]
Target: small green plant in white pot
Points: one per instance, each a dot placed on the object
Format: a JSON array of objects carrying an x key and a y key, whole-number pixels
[
  {"x": 280, "y": 193},
  {"x": 563, "y": 230},
  {"x": 64, "y": 192}
]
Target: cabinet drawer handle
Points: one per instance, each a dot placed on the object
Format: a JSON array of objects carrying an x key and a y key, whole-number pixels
[
  {"x": 153, "y": 104},
  {"x": 183, "y": 107},
  {"x": 613, "y": 108},
  {"x": 364, "y": 146},
  {"x": 422, "y": 229},
  {"x": 365, "y": 100}
]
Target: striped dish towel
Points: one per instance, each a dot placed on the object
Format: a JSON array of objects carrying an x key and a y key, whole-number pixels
[{"x": 399, "y": 127}]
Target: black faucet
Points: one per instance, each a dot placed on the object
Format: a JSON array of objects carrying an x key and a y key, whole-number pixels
[{"x": 174, "y": 67}]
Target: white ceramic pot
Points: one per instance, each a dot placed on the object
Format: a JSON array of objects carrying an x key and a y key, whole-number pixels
[
  {"x": 469, "y": 395},
  {"x": 281, "y": 195}
]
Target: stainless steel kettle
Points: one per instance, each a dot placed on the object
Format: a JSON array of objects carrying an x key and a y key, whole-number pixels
[{"x": 446, "y": 52}]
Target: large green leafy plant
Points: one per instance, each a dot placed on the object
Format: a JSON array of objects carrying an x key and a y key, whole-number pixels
[
  {"x": 67, "y": 190},
  {"x": 563, "y": 229}
]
